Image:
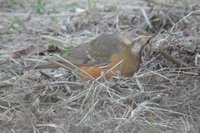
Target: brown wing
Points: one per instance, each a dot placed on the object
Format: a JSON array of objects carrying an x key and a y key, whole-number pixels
[{"x": 97, "y": 52}]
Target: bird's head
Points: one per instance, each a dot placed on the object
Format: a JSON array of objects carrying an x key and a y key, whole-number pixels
[{"x": 139, "y": 43}]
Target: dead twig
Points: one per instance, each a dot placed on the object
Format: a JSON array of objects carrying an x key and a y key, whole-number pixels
[{"x": 172, "y": 59}]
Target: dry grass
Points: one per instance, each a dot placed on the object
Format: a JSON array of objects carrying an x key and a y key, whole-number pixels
[{"x": 162, "y": 97}]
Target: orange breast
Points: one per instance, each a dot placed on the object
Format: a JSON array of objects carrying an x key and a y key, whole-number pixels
[{"x": 90, "y": 72}]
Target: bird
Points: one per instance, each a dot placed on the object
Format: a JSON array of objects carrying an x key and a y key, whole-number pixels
[{"x": 107, "y": 55}]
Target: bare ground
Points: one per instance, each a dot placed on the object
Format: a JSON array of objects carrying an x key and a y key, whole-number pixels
[{"x": 163, "y": 96}]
